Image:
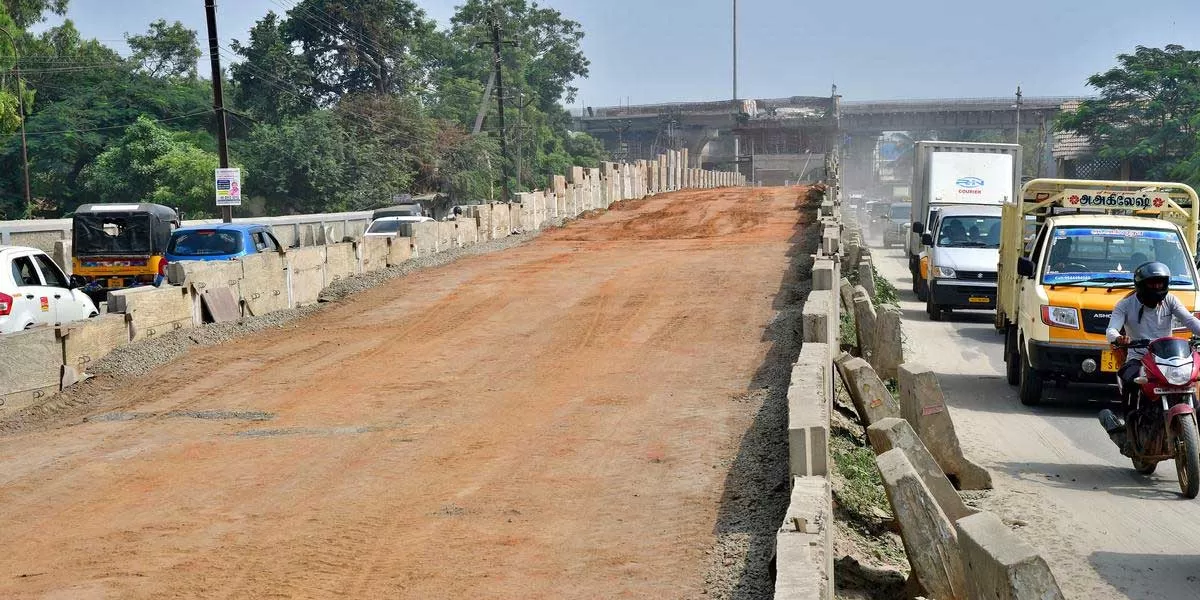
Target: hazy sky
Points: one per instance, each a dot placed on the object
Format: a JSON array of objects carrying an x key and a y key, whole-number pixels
[{"x": 649, "y": 51}]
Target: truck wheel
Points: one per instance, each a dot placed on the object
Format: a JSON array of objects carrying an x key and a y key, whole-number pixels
[
  {"x": 1031, "y": 383},
  {"x": 934, "y": 311},
  {"x": 1012, "y": 357}
]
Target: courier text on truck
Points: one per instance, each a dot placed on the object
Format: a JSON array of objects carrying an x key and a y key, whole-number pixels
[{"x": 1068, "y": 251}]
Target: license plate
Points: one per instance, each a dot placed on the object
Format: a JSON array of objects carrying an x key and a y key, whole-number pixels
[
  {"x": 978, "y": 300},
  {"x": 1108, "y": 361},
  {"x": 116, "y": 282}
]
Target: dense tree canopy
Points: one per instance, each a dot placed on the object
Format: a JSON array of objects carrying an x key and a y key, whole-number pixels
[{"x": 334, "y": 105}]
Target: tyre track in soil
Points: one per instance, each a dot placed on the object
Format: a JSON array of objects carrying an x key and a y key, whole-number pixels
[{"x": 556, "y": 420}]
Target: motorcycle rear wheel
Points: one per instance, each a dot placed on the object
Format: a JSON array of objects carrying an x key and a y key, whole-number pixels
[{"x": 1187, "y": 456}]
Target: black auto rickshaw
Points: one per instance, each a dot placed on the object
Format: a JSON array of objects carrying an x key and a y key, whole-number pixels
[{"x": 118, "y": 246}]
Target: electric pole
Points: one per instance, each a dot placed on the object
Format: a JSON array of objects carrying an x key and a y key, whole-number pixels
[
  {"x": 735, "y": 44},
  {"x": 505, "y": 193},
  {"x": 1018, "y": 106},
  {"x": 214, "y": 56}
]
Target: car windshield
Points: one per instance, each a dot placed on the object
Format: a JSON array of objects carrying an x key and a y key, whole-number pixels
[
  {"x": 1094, "y": 257},
  {"x": 205, "y": 242},
  {"x": 901, "y": 212},
  {"x": 390, "y": 226},
  {"x": 969, "y": 232}
]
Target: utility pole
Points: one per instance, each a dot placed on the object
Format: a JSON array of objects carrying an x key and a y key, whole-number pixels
[
  {"x": 1018, "y": 105},
  {"x": 735, "y": 45},
  {"x": 214, "y": 55},
  {"x": 21, "y": 107},
  {"x": 505, "y": 193}
]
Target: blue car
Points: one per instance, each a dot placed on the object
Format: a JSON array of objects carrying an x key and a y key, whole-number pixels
[{"x": 224, "y": 241}]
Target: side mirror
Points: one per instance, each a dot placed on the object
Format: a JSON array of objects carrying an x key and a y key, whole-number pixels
[
  {"x": 918, "y": 228},
  {"x": 1025, "y": 267},
  {"x": 77, "y": 281},
  {"x": 927, "y": 239}
]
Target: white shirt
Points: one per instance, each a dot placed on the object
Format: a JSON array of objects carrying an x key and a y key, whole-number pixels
[{"x": 1145, "y": 323}]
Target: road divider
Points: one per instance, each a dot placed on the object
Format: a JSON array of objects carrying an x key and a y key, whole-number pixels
[{"x": 924, "y": 407}]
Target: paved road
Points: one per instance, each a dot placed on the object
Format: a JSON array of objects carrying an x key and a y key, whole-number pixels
[
  {"x": 558, "y": 420},
  {"x": 1107, "y": 531}
]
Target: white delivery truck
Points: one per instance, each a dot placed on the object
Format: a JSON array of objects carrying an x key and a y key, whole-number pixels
[{"x": 955, "y": 173}]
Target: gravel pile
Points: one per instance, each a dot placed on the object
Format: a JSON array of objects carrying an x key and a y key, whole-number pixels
[{"x": 757, "y": 486}]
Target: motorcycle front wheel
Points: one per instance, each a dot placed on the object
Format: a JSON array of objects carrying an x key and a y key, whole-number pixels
[{"x": 1187, "y": 455}]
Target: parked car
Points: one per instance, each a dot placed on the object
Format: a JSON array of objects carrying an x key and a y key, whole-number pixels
[
  {"x": 224, "y": 241},
  {"x": 392, "y": 226},
  {"x": 34, "y": 291}
]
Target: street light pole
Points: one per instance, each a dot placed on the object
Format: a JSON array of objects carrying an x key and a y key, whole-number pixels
[
  {"x": 21, "y": 107},
  {"x": 1018, "y": 114}
]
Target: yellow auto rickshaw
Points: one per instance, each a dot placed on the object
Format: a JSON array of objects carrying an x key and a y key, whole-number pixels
[{"x": 118, "y": 246}]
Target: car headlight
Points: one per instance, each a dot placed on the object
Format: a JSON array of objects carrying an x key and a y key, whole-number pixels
[
  {"x": 943, "y": 273},
  {"x": 1060, "y": 316},
  {"x": 1181, "y": 375}
]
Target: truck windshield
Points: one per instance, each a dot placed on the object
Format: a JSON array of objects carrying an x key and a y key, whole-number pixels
[
  {"x": 1094, "y": 257},
  {"x": 969, "y": 232},
  {"x": 901, "y": 212}
]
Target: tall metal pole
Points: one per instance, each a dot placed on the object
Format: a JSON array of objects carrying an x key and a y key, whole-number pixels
[
  {"x": 214, "y": 56},
  {"x": 1018, "y": 114},
  {"x": 496, "y": 57},
  {"x": 735, "y": 45},
  {"x": 21, "y": 107}
]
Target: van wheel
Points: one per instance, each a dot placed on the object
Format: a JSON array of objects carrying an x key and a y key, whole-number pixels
[
  {"x": 934, "y": 311},
  {"x": 922, "y": 290},
  {"x": 1012, "y": 357},
  {"x": 1031, "y": 383}
]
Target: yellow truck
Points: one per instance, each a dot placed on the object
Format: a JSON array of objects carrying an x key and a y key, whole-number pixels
[{"x": 1067, "y": 254}]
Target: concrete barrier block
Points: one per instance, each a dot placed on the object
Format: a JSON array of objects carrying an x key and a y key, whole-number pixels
[
  {"x": 306, "y": 267},
  {"x": 897, "y": 433},
  {"x": 340, "y": 261},
  {"x": 864, "y": 322},
  {"x": 85, "y": 342},
  {"x": 847, "y": 293},
  {"x": 809, "y": 396},
  {"x": 999, "y": 566},
  {"x": 871, "y": 397},
  {"x": 445, "y": 236},
  {"x": 201, "y": 275},
  {"x": 923, "y": 405},
  {"x": 815, "y": 317},
  {"x": 425, "y": 237},
  {"x": 373, "y": 253},
  {"x": 31, "y": 364},
  {"x": 62, "y": 256},
  {"x": 400, "y": 249},
  {"x": 888, "y": 350},
  {"x": 264, "y": 286},
  {"x": 804, "y": 544},
  {"x": 929, "y": 537},
  {"x": 866, "y": 276},
  {"x": 822, "y": 274},
  {"x": 468, "y": 232},
  {"x": 152, "y": 312}
]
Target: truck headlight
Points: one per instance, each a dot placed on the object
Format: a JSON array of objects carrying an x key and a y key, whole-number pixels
[
  {"x": 943, "y": 273},
  {"x": 1060, "y": 316}
]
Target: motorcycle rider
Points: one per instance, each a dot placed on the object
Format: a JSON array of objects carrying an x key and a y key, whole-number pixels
[{"x": 1147, "y": 313}]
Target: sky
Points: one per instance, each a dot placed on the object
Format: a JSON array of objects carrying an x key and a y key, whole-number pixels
[{"x": 650, "y": 51}]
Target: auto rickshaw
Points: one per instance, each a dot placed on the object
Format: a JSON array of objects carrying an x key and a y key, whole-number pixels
[{"x": 118, "y": 246}]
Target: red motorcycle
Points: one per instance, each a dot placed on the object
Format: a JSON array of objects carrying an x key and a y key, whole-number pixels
[{"x": 1161, "y": 413}]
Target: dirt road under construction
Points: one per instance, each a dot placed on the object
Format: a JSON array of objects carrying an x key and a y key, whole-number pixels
[{"x": 555, "y": 420}]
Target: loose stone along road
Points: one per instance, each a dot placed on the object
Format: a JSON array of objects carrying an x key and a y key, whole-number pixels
[{"x": 581, "y": 416}]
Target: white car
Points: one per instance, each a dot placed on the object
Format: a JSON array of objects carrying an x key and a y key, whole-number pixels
[
  {"x": 391, "y": 226},
  {"x": 35, "y": 292}
]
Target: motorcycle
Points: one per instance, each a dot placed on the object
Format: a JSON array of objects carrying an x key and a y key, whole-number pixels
[{"x": 1161, "y": 414}]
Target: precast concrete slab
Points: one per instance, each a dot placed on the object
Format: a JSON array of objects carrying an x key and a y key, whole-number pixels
[{"x": 264, "y": 285}]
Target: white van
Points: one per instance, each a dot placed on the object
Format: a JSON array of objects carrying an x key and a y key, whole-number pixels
[{"x": 960, "y": 259}]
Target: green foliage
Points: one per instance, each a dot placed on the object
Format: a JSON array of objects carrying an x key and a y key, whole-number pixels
[
  {"x": 166, "y": 50},
  {"x": 152, "y": 164},
  {"x": 265, "y": 78},
  {"x": 298, "y": 165},
  {"x": 1147, "y": 112},
  {"x": 862, "y": 496},
  {"x": 886, "y": 294}
]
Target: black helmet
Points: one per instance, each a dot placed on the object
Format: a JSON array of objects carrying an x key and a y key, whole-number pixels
[{"x": 1152, "y": 281}]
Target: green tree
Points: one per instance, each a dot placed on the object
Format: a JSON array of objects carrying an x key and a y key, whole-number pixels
[
  {"x": 361, "y": 46},
  {"x": 28, "y": 12},
  {"x": 299, "y": 165},
  {"x": 151, "y": 163},
  {"x": 1146, "y": 112},
  {"x": 166, "y": 50},
  {"x": 272, "y": 82}
]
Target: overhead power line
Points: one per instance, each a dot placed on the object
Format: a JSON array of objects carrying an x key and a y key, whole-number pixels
[{"x": 125, "y": 126}]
